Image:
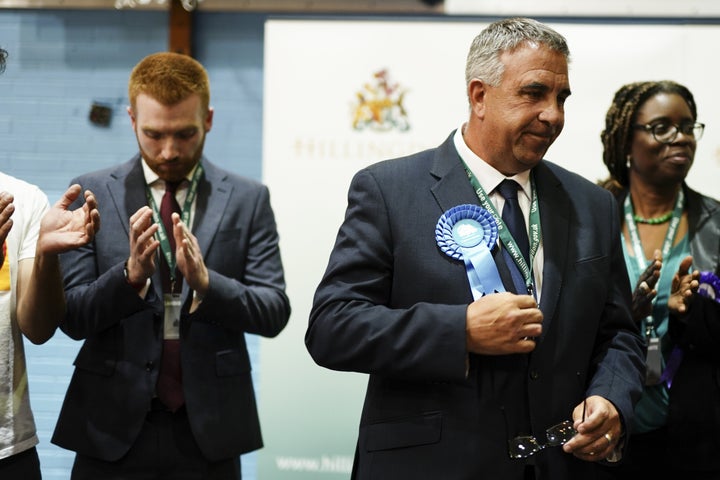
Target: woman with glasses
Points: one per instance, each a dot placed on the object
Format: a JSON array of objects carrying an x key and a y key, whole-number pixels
[{"x": 671, "y": 244}]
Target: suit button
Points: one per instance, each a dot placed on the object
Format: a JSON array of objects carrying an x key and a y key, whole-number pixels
[
  {"x": 534, "y": 375},
  {"x": 149, "y": 366}
]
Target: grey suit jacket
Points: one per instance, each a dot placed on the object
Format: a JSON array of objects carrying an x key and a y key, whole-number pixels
[
  {"x": 393, "y": 305},
  {"x": 117, "y": 366}
]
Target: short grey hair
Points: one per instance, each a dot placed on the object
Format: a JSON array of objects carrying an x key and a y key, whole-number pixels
[{"x": 483, "y": 60}]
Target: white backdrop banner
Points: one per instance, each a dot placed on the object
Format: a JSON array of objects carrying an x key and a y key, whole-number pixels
[{"x": 340, "y": 95}]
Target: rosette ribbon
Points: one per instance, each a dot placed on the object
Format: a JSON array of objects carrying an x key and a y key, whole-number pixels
[
  {"x": 709, "y": 286},
  {"x": 468, "y": 233}
]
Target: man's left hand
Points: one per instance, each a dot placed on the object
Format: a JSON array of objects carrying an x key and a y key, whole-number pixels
[
  {"x": 189, "y": 257},
  {"x": 598, "y": 432}
]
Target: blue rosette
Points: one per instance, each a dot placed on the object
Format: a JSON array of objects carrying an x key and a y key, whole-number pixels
[
  {"x": 709, "y": 286},
  {"x": 468, "y": 233}
]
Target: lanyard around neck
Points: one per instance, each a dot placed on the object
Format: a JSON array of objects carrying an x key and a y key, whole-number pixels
[
  {"x": 638, "y": 251},
  {"x": 162, "y": 234},
  {"x": 507, "y": 240},
  {"x": 636, "y": 243}
]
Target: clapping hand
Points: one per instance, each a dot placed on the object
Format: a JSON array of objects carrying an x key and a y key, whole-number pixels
[
  {"x": 645, "y": 291},
  {"x": 6, "y": 210},
  {"x": 684, "y": 286},
  {"x": 62, "y": 229}
]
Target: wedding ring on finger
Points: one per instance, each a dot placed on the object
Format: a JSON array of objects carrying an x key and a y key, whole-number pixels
[{"x": 608, "y": 437}]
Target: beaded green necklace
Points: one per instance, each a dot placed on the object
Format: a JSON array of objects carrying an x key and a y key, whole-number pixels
[{"x": 655, "y": 220}]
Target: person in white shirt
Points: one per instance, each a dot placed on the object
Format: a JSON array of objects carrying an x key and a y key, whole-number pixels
[{"x": 32, "y": 302}]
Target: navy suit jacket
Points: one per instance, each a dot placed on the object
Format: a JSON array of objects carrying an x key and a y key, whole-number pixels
[
  {"x": 116, "y": 368},
  {"x": 393, "y": 305}
]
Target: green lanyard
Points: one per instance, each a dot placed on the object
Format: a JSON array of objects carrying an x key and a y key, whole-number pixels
[
  {"x": 637, "y": 248},
  {"x": 504, "y": 233},
  {"x": 162, "y": 235}
]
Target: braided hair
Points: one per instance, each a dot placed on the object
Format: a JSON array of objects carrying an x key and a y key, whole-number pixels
[{"x": 619, "y": 122}]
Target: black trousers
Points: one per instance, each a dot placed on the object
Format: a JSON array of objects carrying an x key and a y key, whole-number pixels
[
  {"x": 165, "y": 450},
  {"x": 529, "y": 473},
  {"x": 647, "y": 459},
  {"x": 21, "y": 466}
]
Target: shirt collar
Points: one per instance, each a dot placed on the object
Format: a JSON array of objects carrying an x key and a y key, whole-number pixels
[
  {"x": 487, "y": 175},
  {"x": 152, "y": 179}
]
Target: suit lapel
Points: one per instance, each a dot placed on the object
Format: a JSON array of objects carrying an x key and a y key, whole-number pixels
[
  {"x": 127, "y": 193},
  {"x": 453, "y": 188},
  {"x": 213, "y": 196},
  {"x": 127, "y": 190},
  {"x": 212, "y": 199},
  {"x": 554, "y": 220}
]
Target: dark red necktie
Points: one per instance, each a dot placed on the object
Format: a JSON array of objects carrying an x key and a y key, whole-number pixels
[{"x": 169, "y": 385}]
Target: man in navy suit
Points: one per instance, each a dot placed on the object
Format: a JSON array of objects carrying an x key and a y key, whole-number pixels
[
  {"x": 187, "y": 263},
  {"x": 485, "y": 359}
]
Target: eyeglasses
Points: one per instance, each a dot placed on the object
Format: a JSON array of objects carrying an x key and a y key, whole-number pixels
[
  {"x": 665, "y": 132},
  {"x": 527, "y": 445}
]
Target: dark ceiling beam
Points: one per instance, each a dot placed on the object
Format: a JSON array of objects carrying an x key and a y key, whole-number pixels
[{"x": 180, "y": 29}]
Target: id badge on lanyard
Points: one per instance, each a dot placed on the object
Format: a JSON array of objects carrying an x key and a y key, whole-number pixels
[
  {"x": 171, "y": 325},
  {"x": 653, "y": 362},
  {"x": 653, "y": 359}
]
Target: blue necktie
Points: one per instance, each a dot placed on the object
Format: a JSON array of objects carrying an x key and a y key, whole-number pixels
[
  {"x": 513, "y": 217},
  {"x": 514, "y": 220}
]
